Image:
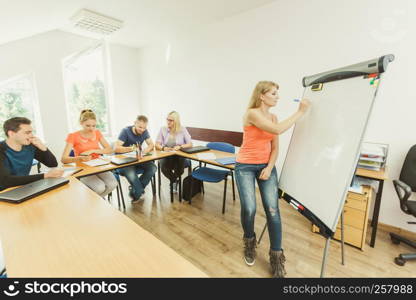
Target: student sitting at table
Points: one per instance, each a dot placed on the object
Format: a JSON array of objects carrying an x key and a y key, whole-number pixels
[
  {"x": 18, "y": 151},
  {"x": 86, "y": 146},
  {"x": 172, "y": 138},
  {"x": 130, "y": 138}
]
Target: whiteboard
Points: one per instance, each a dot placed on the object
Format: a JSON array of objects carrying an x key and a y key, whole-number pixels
[{"x": 325, "y": 146}]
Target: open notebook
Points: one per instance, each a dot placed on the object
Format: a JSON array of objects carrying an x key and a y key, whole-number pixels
[
  {"x": 226, "y": 160},
  {"x": 96, "y": 162}
]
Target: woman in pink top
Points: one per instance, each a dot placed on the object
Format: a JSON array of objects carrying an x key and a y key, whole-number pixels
[
  {"x": 88, "y": 144},
  {"x": 256, "y": 162}
]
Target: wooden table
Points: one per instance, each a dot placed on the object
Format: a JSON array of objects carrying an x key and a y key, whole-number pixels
[
  {"x": 72, "y": 232},
  {"x": 379, "y": 176}
]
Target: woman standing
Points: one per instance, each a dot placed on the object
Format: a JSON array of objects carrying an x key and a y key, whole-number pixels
[
  {"x": 256, "y": 162},
  {"x": 86, "y": 146},
  {"x": 173, "y": 137}
]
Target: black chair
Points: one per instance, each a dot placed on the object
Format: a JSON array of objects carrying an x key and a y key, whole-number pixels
[
  {"x": 187, "y": 165},
  {"x": 37, "y": 164},
  {"x": 404, "y": 188}
]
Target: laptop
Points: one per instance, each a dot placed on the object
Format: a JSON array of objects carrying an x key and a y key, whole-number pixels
[
  {"x": 123, "y": 160},
  {"x": 195, "y": 149},
  {"x": 32, "y": 190}
]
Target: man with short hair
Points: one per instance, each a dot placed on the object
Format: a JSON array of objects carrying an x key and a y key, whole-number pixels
[
  {"x": 18, "y": 151},
  {"x": 130, "y": 138}
]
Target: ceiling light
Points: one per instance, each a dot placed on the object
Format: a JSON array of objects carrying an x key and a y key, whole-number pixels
[{"x": 95, "y": 22}]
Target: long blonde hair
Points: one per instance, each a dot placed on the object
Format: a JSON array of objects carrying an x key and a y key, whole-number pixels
[
  {"x": 87, "y": 114},
  {"x": 261, "y": 88},
  {"x": 177, "y": 121}
]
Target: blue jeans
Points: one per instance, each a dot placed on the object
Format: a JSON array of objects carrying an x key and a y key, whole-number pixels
[
  {"x": 138, "y": 184},
  {"x": 245, "y": 176}
]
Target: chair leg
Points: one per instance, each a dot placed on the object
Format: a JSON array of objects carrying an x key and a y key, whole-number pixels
[
  {"x": 158, "y": 176},
  {"x": 153, "y": 183},
  {"x": 202, "y": 188},
  {"x": 171, "y": 190},
  {"x": 232, "y": 179},
  {"x": 120, "y": 190},
  {"x": 118, "y": 196},
  {"x": 225, "y": 195},
  {"x": 122, "y": 198},
  {"x": 180, "y": 188}
]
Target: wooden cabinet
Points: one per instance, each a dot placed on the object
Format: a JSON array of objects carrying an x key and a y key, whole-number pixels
[{"x": 356, "y": 209}]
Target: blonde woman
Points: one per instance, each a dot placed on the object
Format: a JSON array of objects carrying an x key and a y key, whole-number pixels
[
  {"x": 256, "y": 162},
  {"x": 88, "y": 143},
  {"x": 173, "y": 137}
]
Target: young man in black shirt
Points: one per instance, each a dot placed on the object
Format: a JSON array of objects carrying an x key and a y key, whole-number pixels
[{"x": 18, "y": 151}]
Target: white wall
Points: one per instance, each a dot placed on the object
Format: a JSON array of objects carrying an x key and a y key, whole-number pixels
[
  {"x": 43, "y": 54},
  {"x": 211, "y": 73}
]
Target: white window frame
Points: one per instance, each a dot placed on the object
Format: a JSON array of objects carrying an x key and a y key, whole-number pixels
[
  {"x": 35, "y": 100},
  {"x": 106, "y": 79}
]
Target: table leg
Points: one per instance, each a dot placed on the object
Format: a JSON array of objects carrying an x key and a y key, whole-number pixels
[{"x": 376, "y": 212}]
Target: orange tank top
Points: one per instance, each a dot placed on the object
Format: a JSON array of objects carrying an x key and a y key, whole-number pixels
[{"x": 256, "y": 147}]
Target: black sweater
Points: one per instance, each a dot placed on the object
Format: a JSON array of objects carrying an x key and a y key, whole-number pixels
[{"x": 7, "y": 180}]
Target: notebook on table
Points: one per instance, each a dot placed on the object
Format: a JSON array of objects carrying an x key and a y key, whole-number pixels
[
  {"x": 96, "y": 162},
  {"x": 31, "y": 190},
  {"x": 195, "y": 149}
]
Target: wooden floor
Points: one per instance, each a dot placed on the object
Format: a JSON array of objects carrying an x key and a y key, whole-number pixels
[{"x": 213, "y": 242}]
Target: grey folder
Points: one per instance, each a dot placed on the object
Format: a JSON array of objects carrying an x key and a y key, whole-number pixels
[
  {"x": 123, "y": 160},
  {"x": 31, "y": 190},
  {"x": 195, "y": 149}
]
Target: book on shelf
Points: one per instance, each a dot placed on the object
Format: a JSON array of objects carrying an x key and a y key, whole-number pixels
[{"x": 373, "y": 156}]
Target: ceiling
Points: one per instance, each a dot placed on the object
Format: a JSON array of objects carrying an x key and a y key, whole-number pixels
[{"x": 145, "y": 21}]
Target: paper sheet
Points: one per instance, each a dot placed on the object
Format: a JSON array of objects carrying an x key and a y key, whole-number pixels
[{"x": 206, "y": 156}]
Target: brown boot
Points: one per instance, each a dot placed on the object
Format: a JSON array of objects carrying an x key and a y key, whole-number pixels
[
  {"x": 250, "y": 245},
  {"x": 277, "y": 263}
]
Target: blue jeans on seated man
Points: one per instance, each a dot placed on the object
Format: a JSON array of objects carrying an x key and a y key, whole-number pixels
[
  {"x": 139, "y": 183},
  {"x": 245, "y": 177}
]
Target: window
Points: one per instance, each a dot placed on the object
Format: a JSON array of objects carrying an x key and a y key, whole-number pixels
[
  {"x": 85, "y": 88},
  {"x": 18, "y": 99}
]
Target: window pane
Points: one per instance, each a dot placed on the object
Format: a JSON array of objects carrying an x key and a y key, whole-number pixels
[
  {"x": 17, "y": 99},
  {"x": 85, "y": 88}
]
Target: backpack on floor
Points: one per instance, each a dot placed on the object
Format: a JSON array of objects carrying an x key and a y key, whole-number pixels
[{"x": 186, "y": 187}]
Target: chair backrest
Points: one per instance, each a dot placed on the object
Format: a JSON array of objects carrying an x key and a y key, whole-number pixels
[
  {"x": 408, "y": 173},
  {"x": 220, "y": 146}
]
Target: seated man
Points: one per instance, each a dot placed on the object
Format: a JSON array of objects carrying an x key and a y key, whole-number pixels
[
  {"x": 18, "y": 151},
  {"x": 129, "y": 138}
]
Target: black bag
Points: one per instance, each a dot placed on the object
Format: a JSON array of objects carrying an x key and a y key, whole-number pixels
[{"x": 186, "y": 187}]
